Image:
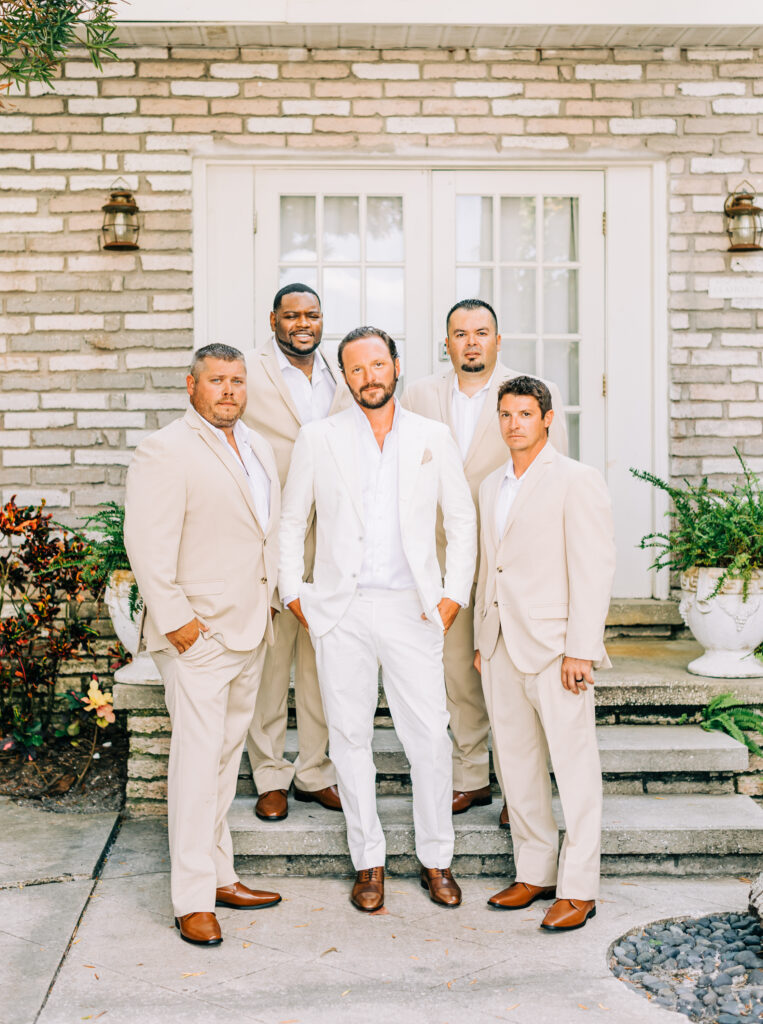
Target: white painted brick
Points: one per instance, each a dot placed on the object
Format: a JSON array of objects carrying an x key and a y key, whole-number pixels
[
  {"x": 679, "y": 321},
  {"x": 400, "y": 72},
  {"x": 21, "y": 364},
  {"x": 755, "y": 302},
  {"x": 231, "y": 69},
  {"x": 425, "y": 125},
  {"x": 707, "y": 204},
  {"x": 280, "y": 125},
  {"x": 111, "y": 262},
  {"x": 31, "y": 225},
  {"x": 536, "y": 142},
  {"x": 158, "y": 321},
  {"x": 15, "y": 125},
  {"x": 33, "y": 496},
  {"x": 340, "y": 107},
  {"x": 14, "y": 324},
  {"x": 171, "y": 303},
  {"x": 677, "y": 205},
  {"x": 157, "y": 261},
  {"x": 716, "y": 164},
  {"x": 113, "y": 418},
  {"x": 101, "y": 457},
  {"x": 38, "y": 457},
  {"x": 714, "y": 54},
  {"x": 18, "y": 205},
  {"x": 115, "y": 69},
  {"x": 33, "y": 182},
  {"x": 137, "y": 125},
  {"x": 609, "y": 72},
  {"x": 38, "y": 420},
  {"x": 139, "y": 360},
  {"x": 181, "y": 143},
  {"x": 82, "y": 362},
  {"x": 15, "y": 439},
  {"x": 677, "y": 282},
  {"x": 691, "y": 340},
  {"x": 17, "y": 402},
  {"x": 64, "y": 88},
  {"x": 746, "y": 409},
  {"x": 474, "y": 89},
  {"x": 74, "y": 400},
  {"x": 13, "y": 264},
  {"x": 725, "y": 357},
  {"x": 15, "y": 161},
  {"x": 102, "y": 182},
  {"x": 747, "y": 339},
  {"x": 170, "y": 182},
  {"x": 749, "y": 263},
  {"x": 526, "y": 108},
  {"x": 712, "y": 88},
  {"x": 741, "y": 106},
  {"x": 730, "y": 465},
  {"x": 728, "y": 428},
  {"x": 157, "y": 162},
  {"x": 68, "y": 322},
  {"x": 218, "y": 90},
  {"x": 735, "y": 287},
  {"x": 643, "y": 125},
  {"x": 68, "y": 161},
  {"x": 111, "y": 162},
  {"x": 111, "y": 105},
  {"x": 157, "y": 400}
]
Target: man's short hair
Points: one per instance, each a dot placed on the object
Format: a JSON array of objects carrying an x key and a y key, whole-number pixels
[
  {"x": 527, "y": 386},
  {"x": 216, "y": 351},
  {"x": 358, "y": 334},
  {"x": 471, "y": 304},
  {"x": 291, "y": 289}
]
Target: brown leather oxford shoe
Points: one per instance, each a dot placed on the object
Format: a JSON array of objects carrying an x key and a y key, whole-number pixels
[
  {"x": 242, "y": 897},
  {"x": 567, "y": 915},
  {"x": 519, "y": 895},
  {"x": 368, "y": 891},
  {"x": 442, "y": 886},
  {"x": 272, "y": 806},
  {"x": 462, "y": 801},
  {"x": 328, "y": 797},
  {"x": 503, "y": 821},
  {"x": 200, "y": 929}
]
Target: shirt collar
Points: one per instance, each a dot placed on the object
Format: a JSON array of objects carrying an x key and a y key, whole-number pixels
[
  {"x": 319, "y": 364},
  {"x": 457, "y": 390},
  {"x": 511, "y": 476},
  {"x": 364, "y": 423},
  {"x": 240, "y": 432}
]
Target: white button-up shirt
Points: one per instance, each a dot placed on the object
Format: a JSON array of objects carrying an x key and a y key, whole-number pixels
[
  {"x": 465, "y": 412},
  {"x": 384, "y": 564},
  {"x": 256, "y": 477},
  {"x": 312, "y": 395},
  {"x": 507, "y": 493}
]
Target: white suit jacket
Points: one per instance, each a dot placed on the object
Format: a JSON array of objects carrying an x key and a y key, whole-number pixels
[
  {"x": 193, "y": 538},
  {"x": 546, "y": 583},
  {"x": 325, "y": 471}
]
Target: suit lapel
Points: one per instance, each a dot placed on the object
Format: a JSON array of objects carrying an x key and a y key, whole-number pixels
[
  {"x": 487, "y": 419},
  {"x": 445, "y": 399},
  {"x": 536, "y": 473},
  {"x": 411, "y": 447},
  {"x": 341, "y": 434},
  {"x": 273, "y": 370}
]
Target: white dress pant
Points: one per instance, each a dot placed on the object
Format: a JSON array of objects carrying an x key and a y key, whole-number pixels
[
  {"x": 384, "y": 627},
  {"x": 210, "y": 694},
  {"x": 533, "y": 716}
]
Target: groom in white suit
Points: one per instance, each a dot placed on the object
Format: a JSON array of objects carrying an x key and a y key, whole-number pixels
[{"x": 376, "y": 474}]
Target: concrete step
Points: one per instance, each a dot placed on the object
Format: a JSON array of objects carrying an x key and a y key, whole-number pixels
[{"x": 681, "y": 834}]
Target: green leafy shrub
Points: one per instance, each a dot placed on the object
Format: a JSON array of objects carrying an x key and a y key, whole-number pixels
[
  {"x": 724, "y": 713},
  {"x": 106, "y": 551}
]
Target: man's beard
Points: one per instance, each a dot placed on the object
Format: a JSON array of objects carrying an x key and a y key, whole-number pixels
[
  {"x": 380, "y": 402},
  {"x": 286, "y": 345},
  {"x": 472, "y": 367}
]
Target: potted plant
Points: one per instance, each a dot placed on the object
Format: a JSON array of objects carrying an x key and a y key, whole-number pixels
[
  {"x": 106, "y": 569},
  {"x": 715, "y": 542}
]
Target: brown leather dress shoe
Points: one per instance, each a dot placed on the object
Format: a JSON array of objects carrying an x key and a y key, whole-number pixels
[
  {"x": 242, "y": 897},
  {"x": 443, "y": 888},
  {"x": 472, "y": 797},
  {"x": 368, "y": 891},
  {"x": 567, "y": 915},
  {"x": 328, "y": 797},
  {"x": 519, "y": 895},
  {"x": 503, "y": 821},
  {"x": 201, "y": 929},
  {"x": 272, "y": 806}
]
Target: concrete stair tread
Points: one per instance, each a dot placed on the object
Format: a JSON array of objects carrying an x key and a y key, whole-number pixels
[{"x": 664, "y": 825}]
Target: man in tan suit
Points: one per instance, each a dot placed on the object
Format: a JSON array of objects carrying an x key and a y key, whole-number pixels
[
  {"x": 289, "y": 384},
  {"x": 546, "y": 568},
  {"x": 465, "y": 400},
  {"x": 201, "y": 531}
]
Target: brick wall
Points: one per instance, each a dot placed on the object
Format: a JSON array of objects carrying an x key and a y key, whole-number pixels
[{"x": 93, "y": 345}]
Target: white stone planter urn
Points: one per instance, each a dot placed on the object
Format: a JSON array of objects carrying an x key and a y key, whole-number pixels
[
  {"x": 727, "y": 626},
  {"x": 117, "y": 597}
]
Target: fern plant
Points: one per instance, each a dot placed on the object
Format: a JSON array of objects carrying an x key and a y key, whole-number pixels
[
  {"x": 106, "y": 552},
  {"x": 724, "y": 713},
  {"x": 711, "y": 528}
]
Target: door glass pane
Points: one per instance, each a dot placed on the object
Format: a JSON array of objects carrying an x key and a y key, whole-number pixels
[
  {"x": 298, "y": 228},
  {"x": 573, "y": 434},
  {"x": 385, "y": 299},
  {"x": 517, "y": 228},
  {"x": 561, "y": 365},
  {"x": 560, "y": 229},
  {"x": 518, "y": 300},
  {"x": 560, "y": 301},
  {"x": 384, "y": 229},
  {"x": 341, "y": 228},
  {"x": 519, "y": 354},
  {"x": 341, "y": 299},
  {"x": 301, "y": 275},
  {"x": 474, "y": 283},
  {"x": 474, "y": 228}
]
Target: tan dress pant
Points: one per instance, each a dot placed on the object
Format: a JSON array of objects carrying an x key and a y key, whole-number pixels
[
  {"x": 210, "y": 694},
  {"x": 267, "y": 732},
  {"x": 533, "y": 716}
]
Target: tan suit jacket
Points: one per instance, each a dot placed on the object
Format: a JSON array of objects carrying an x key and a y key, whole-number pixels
[
  {"x": 193, "y": 538},
  {"x": 546, "y": 583},
  {"x": 432, "y": 397}
]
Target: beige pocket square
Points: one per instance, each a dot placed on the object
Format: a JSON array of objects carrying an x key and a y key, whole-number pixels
[{"x": 426, "y": 457}]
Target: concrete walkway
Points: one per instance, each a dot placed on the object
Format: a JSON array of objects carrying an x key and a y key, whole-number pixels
[{"x": 315, "y": 959}]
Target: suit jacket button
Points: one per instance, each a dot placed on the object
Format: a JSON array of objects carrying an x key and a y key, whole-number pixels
[
  {"x": 500, "y": 568},
  {"x": 495, "y": 604},
  {"x": 264, "y": 542},
  {"x": 264, "y": 579}
]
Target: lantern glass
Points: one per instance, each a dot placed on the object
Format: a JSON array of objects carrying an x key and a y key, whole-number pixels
[
  {"x": 120, "y": 222},
  {"x": 743, "y": 219},
  {"x": 745, "y": 229}
]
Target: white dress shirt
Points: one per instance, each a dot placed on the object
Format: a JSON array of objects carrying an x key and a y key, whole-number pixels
[
  {"x": 256, "y": 477},
  {"x": 507, "y": 493},
  {"x": 312, "y": 395},
  {"x": 466, "y": 410},
  {"x": 384, "y": 563}
]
